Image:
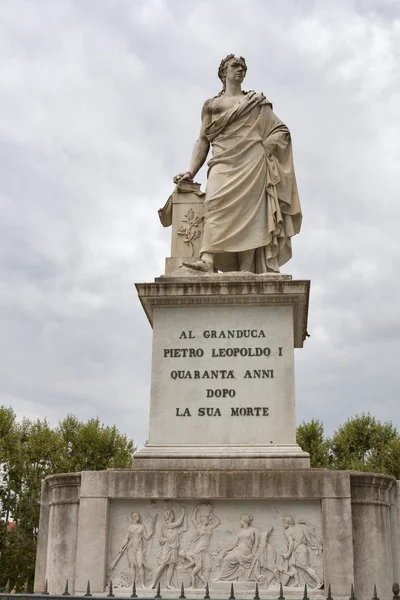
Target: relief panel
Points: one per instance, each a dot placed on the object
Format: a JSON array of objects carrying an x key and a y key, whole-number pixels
[{"x": 199, "y": 542}]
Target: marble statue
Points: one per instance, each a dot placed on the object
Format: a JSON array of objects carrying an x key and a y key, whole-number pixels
[
  {"x": 198, "y": 555},
  {"x": 238, "y": 560},
  {"x": 171, "y": 531},
  {"x": 301, "y": 539},
  {"x": 135, "y": 545},
  {"x": 252, "y": 207}
]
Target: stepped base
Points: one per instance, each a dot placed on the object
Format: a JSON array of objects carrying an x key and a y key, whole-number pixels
[{"x": 231, "y": 456}]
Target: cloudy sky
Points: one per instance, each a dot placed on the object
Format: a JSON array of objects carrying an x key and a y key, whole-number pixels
[{"x": 100, "y": 105}]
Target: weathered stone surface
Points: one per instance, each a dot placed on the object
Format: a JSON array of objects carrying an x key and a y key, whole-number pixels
[
  {"x": 373, "y": 532},
  {"x": 92, "y": 512},
  {"x": 58, "y": 532},
  {"x": 202, "y": 532},
  {"x": 231, "y": 290}
]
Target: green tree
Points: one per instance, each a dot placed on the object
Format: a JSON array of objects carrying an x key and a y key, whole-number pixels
[
  {"x": 31, "y": 450},
  {"x": 364, "y": 444},
  {"x": 310, "y": 438},
  {"x": 92, "y": 446}
]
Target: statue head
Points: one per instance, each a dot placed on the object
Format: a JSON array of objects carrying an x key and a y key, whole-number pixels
[
  {"x": 204, "y": 519},
  {"x": 135, "y": 517},
  {"x": 230, "y": 60},
  {"x": 168, "y": 515},
  {"x": 245, "y": 520},
  {"x": 288, "y": 521}
]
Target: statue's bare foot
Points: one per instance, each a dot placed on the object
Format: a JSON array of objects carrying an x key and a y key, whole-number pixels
[{"x": 200, "y": 265}]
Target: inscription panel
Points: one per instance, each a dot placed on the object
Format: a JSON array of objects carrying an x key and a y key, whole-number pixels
[
  {"x": 222, "y": 375},
  {"x": 198, "y": 542}
]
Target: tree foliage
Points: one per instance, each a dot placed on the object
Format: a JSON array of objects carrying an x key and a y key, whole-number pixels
[
  {"x": 31, "y": 450},
  {"x": 310, "y": 437},
  {"x": 362, "y": 443}
]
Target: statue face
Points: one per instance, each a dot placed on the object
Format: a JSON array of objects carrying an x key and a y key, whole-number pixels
[
  {"x": 204, "y": 520},
  {"x": 135, "y": 517},
  {"x": 167, "y": 516},
  {"x": 235, "y": 70}
]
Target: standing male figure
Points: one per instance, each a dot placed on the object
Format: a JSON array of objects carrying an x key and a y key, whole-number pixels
[{"x": 252, "y": 207}]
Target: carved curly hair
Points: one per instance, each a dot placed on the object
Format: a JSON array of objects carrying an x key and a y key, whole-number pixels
[{"x": 223, "y": 68}]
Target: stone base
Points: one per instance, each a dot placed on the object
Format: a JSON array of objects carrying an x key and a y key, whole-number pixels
[
  {"x": 352, "y": 517},
  {"x": 189, "y": 457}
]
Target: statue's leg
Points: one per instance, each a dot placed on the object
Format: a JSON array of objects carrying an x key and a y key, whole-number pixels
[{"x": 246, "y": 260}]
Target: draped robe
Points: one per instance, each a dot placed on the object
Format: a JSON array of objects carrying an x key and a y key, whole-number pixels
[{"x": 251, "y": 196}]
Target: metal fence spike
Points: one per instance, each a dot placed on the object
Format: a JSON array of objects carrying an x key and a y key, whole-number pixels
[
  {"x": 26, "y": 586},
  {"x": 66, "y": 592},
  {"x": 134, "y": 595},
  {"x": 182, "y": 591},
  {"x": 305, "y": 597},
  {"x": 329, "y": 596},
  {"x": 110, "y": 590},
  {"x": 232, "y": 596},
  {"x": 88, "y": 593},
  {"x": 158, "y": 594},
  {"x": 7, "y": 589},
  {"x": 46, "y": 589},
  {"x": 395, "y": 590},
  {"x": 375, "y": 594},
  {"x": 281, "y": 596},
  {"x": 352, "y": 594},
  {"x": 207, "y": 594},
  {"x": 256, "y": 594}
]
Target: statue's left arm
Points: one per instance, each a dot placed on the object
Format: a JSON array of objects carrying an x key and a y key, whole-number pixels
[
  {"x": 281, "y": 178},
  {"x": 276, "y": 136}
]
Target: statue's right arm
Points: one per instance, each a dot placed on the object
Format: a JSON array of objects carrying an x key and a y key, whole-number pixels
[{"x": 201, "y": 147}]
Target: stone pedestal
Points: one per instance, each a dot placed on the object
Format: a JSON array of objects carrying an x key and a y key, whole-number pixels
[
  {"x": 345, "y": 515},
  {"x": 223, "y": 369},
  {"x": 222, "y": 493}
]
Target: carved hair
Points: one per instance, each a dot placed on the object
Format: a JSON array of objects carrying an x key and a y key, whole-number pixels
[
  {"x": 136, "y": 514},
  {"x": 247, "y": 519},
  {"x": 223, "y": 68},
  {"x": 289, "y": 520}
]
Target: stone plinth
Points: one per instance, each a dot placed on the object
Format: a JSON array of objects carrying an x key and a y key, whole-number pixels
[
  {"x": 184, "y": 212},
  {"x": 348, "y": 518},
  {"x": 223, "y": 369},
  {"x": 222, "y": 494}
]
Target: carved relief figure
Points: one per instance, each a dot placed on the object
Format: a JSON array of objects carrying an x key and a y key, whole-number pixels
[
  {"x": 169, "y": 542},
  {"x": 238, "y": 560},
  {"x": 301, "y": 539},
  {"x": 252, "y": 207},
  {"x": 198, "y": 555},
  {"x": 268, "y": 562},
  {"x": 136, "y": 547}
]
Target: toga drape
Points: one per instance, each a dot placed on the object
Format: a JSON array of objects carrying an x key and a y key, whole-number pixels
[{"x": 251, "y": 196}]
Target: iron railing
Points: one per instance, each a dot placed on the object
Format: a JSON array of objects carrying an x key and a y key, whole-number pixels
[{"x": 7, "y": 594}]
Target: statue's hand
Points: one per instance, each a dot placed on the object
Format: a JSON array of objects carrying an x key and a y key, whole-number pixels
[{"x": 182, "y": 177}]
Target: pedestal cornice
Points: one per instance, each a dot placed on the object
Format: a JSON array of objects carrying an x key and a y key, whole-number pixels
[{"x": 234, "y": 290}]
